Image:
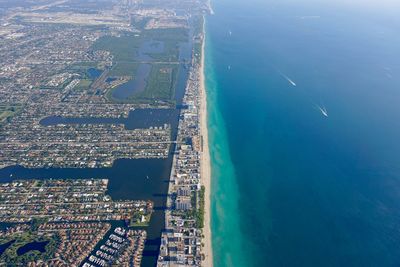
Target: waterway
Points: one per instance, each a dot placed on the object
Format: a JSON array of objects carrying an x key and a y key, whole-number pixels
[
  {"x": 127, "y": 177},
  {"x": 138, "y": 179},
  {"x": 127, "y": 180},
  {"x": 137, "y": 119}
]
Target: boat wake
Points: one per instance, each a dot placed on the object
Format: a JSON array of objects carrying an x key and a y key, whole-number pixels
[
  {"x": 289, "y": 80},
  {"x": 323, "y": 110},
  {"x": 286, "y": 77}
]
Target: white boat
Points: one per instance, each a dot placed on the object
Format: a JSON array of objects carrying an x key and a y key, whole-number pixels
[
  {"x": 288, "y": 79},
  {"x": 323, "y": 111},
  {"x": 291, "y": 82}
]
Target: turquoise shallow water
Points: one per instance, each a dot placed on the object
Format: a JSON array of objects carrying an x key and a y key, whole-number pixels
[
  {"x": 224, "y": 188},
  {"x": 292, "y": 187}
]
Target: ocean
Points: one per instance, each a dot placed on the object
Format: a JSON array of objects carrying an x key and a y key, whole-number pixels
[{"x": 304, "y": 132}]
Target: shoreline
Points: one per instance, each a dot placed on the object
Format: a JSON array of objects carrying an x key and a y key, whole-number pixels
[
  {"x": 172, "y": 253},
  {"x": 205, "y": 163}
]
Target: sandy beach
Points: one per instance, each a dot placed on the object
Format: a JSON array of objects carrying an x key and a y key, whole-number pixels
[{"x": 205, "y": 163}]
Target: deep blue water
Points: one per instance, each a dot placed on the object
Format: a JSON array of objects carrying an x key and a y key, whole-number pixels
[{"x": 292, "y": 186}]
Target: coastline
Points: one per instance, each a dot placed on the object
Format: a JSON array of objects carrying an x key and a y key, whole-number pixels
[{"x": 205, "y": 159}]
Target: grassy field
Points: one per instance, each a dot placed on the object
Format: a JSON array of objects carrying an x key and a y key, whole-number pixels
[
  {"x": 124, "y": 48},
  {"x": 8, "y": 111},
  {"x": 160, "y": 86},
  {"x": 198, "y": 29},
  {"x": 10, "y": 256},
  {"x": 123, "y": 69},
  {"x": 197, "y": 50},
  {"x": 82, "y": 67},
  {"x": 83, "y": 84},
  {"x": 160, "y": 83},
  {"x": 171, "y": 39},
  {"x": 136, "y": 220}
]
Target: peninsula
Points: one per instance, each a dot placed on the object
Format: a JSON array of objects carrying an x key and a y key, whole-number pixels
[{"x": 187, "y": 238}]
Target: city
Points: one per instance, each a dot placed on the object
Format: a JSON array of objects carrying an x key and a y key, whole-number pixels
[{"x": 83, "y": 86}]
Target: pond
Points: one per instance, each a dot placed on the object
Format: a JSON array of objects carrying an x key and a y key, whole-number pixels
[
  {"x": 39, "y": 246},
  {"x": 137, "y": 84},
  {"x": 93, "y": 73},
  {"x": 5, "y": 246}
]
